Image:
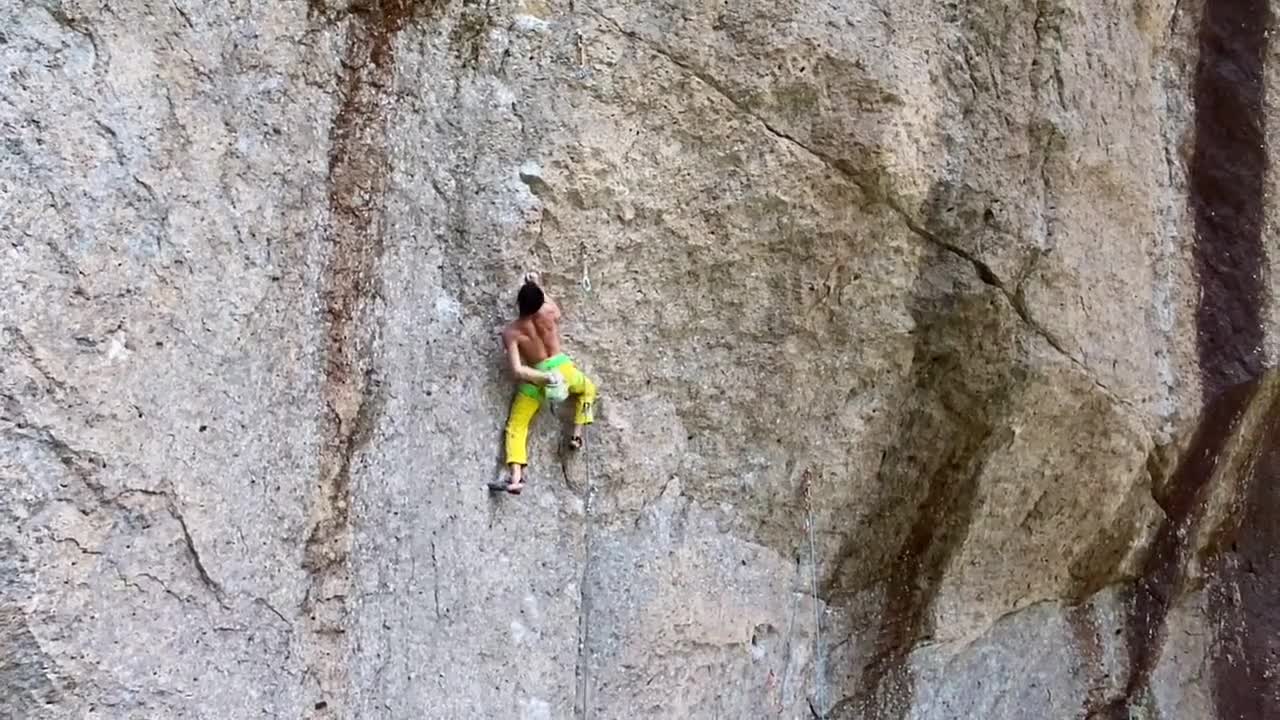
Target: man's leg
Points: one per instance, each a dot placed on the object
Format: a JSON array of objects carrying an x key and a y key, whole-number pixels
[
  {"x": 523, "y": 408},
  {"x": 585, "y": 390}
]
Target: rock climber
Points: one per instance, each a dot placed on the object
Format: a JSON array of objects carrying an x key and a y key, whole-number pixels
[{"x": 533, "y": 339}]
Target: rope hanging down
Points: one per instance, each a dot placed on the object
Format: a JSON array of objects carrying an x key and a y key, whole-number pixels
[
  {"x": 818, "y": 665},
  {"x": 584, "y": 638}
]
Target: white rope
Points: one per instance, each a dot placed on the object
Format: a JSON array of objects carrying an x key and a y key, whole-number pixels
[
  {"x": 818, "y": 665},
  {"x": 786, "y": 660},
  {"x": 584, "y": 690}
]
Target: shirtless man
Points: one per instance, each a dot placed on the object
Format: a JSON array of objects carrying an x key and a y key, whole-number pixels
[{"x": 534, "y": 340}]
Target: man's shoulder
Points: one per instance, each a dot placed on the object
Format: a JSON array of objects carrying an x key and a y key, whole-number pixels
[{"x": 513, "y": 331}]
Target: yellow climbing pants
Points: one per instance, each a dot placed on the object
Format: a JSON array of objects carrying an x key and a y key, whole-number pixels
[{"x": 530, "y": 397}]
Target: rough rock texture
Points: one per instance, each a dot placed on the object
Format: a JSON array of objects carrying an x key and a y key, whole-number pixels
[{"x": 932, "y": 340}]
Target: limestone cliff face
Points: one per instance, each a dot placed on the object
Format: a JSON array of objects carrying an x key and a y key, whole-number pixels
[{"x": 933, "y": 342}]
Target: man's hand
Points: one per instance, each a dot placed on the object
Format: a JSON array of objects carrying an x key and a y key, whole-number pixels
[{"x": 537, "y": 377}]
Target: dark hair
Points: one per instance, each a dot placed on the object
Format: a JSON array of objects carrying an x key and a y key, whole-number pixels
[{"x": 529, "y": 299}]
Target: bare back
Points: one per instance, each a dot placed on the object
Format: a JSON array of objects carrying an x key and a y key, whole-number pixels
[{"x": 537, "y": 336}]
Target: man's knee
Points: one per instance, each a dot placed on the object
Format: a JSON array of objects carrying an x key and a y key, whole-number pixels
[{"x": 517, "y": 428}]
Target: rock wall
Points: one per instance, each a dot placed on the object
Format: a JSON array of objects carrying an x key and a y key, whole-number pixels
[{"x": 932, "y": 341}]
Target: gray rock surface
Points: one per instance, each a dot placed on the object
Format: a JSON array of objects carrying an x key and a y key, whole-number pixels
[{"x": 905, "y": 318}]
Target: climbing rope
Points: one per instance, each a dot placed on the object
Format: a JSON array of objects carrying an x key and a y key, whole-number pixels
[
  {"x": 583, "y": 691},
  {"x": 818, "y": 665},
  {"x": 584, "y": 681}
]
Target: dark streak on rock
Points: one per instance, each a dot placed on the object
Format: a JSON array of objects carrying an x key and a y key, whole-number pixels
[
  {"x": 1084, "y": 629},
  {"x": 1245, "y": 595},
  {"x": 936, "y": 464},
  {"x": 1161, "y": 578},
  {"x": 1227, "y": 174},
  {"x": 359, "y": 165},
  {"x": 941, "y": 521}
]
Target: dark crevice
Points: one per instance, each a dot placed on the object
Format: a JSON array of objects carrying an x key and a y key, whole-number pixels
[
  {"x": 1173, "y": 18},
  {"x": 435, "y": 580},
  {"x": 213, "y": 585},
  {"x": 183, "y": 14},
  {"x": 272, "y": 609},
  {"x": 76, "y": 544}
]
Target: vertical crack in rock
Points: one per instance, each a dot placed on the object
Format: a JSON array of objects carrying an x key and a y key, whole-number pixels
[
  {"x": 435, "y": 580},
  {"x": 1227, "y": 173},
  {"x": 357, "y": 180}
]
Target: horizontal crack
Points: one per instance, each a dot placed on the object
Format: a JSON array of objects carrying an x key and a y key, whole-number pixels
[{"x": 76, "y": 543}]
